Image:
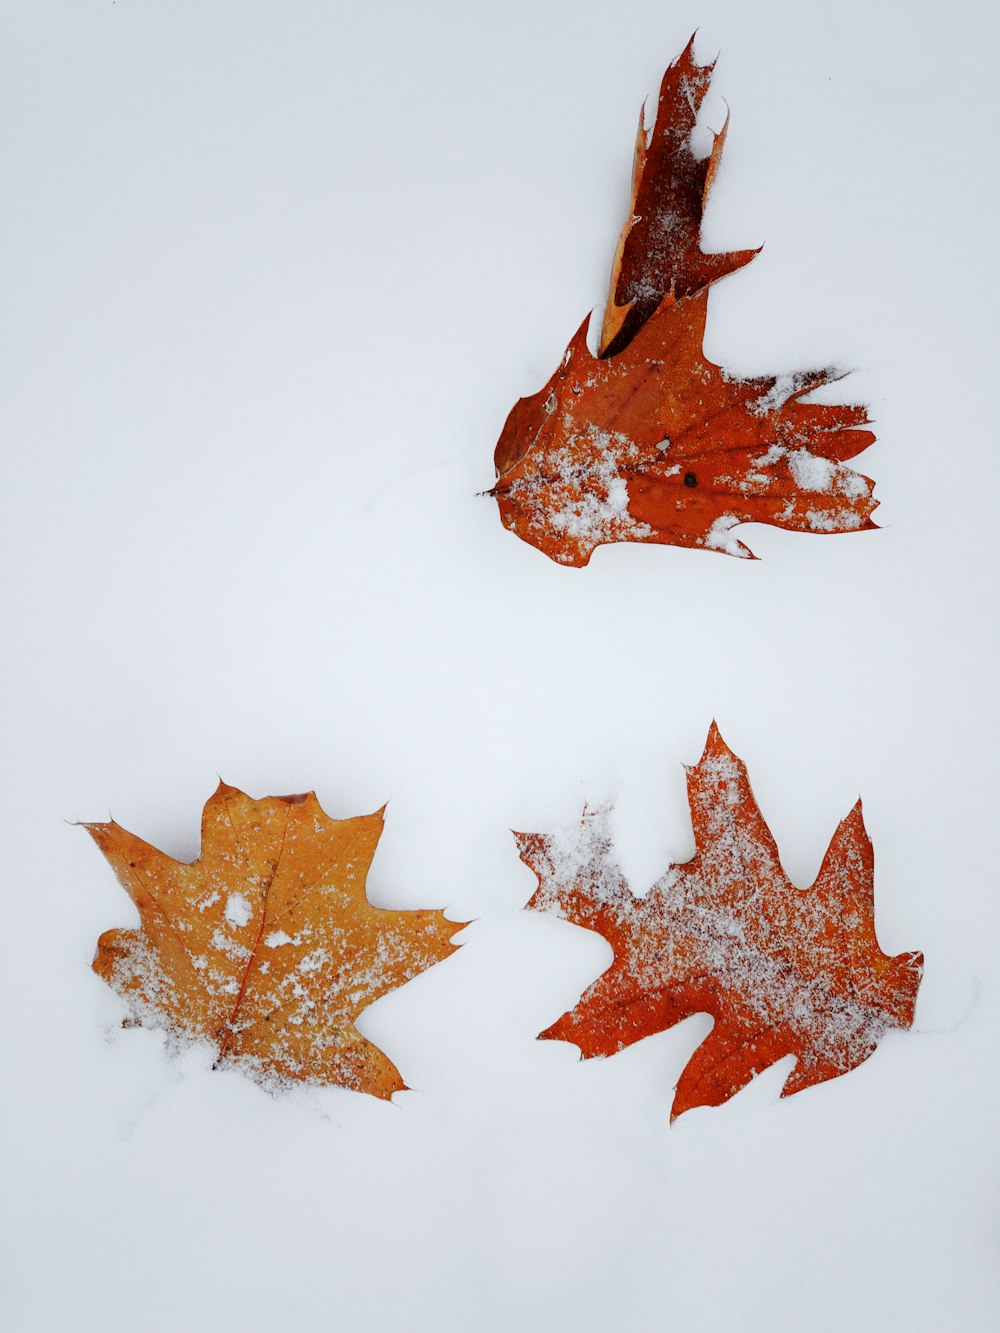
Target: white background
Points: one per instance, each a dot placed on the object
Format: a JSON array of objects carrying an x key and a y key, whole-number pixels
[{"x": 272, "y": 276}]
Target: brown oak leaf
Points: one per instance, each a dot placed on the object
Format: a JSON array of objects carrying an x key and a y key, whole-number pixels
[
  {"x": 658, "y": 444},
  {"x": 781, "y": 970},
  {"x": 659, "y": 251},
  {"x": 266, "y": 946},
  {"x": 652, "y": 442}
]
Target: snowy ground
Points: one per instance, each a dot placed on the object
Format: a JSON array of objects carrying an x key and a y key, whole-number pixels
[{"x": 272, "y": 275}]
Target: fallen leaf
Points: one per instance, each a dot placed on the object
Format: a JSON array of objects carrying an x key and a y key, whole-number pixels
[
  {"x": 650, "y": 441},
  {"x": 266, "y": 946},
  {"x": 781, "y": 970},
  {"x": 657, "y": 444},
  {"x": 659, "y": 251}
]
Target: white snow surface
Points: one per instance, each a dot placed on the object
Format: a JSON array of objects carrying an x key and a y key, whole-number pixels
[{"x": 273, "y": 276}]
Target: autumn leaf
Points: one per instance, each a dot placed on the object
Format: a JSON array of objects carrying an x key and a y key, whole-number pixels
[
  {"x": 781, "y": 970},
  {"x": 632, "y": 448},
  {"x": 266, "y": 946},
  {"x": 659, "y": 251},
  {"x": 650, "y": 441}
]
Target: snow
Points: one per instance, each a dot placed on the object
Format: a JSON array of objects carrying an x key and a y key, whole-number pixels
[
  {"x": 719, "y": 536},
  {"x": 273, "y": 278},
  {"x": 811, "y": 473},
  {"x": 820, "y": 520},
  {"x": 587, "y": 504},
  {"x": 582, "y": 848},
  {"x": 779, "y": 392},
  {"x": 237, "y": 910}
]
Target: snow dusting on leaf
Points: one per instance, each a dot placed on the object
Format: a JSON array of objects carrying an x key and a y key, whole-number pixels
[
  {"x": 650, "y": 441},
  {"x": 781, "y": 970},
  {"x": 266, "y": 946}
]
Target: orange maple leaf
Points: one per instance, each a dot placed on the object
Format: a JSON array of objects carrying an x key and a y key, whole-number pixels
[
  {"x": 781, "y": 970},
  {"x": 266, "y": 946},
  {"x": 650, "y": 441}
]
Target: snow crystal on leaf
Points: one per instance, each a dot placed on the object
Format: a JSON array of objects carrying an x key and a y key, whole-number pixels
[{"x": 238, "y": 910}]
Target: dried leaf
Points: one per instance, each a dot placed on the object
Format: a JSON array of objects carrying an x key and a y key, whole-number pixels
[
  {"x": 657, "y": 444},
  {"x": 651, "y": 441},
  {"x": 781, "y": 970},
  {"x": 266, "y": 946},
  {"x": 659, "y": 252}
]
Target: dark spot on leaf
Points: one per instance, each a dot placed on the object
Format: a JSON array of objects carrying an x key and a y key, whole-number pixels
[{"x": 690, "y": 479}]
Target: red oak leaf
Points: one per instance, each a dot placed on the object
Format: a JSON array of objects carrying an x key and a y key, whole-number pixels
[
  {"x": 658, "y": 444},
  {"x": 650, "y": 441},
  {"x": 659, "y": 251},
  {"x": 781, "y": 970}
]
